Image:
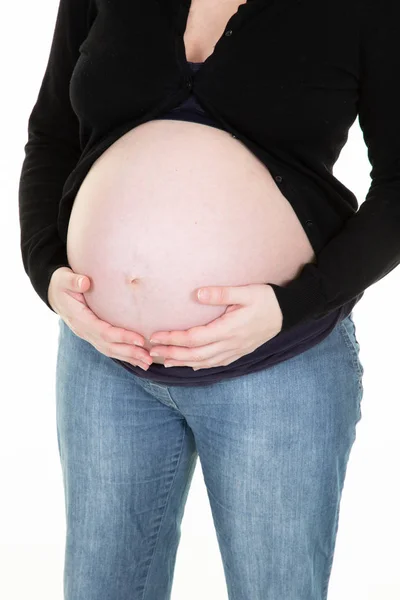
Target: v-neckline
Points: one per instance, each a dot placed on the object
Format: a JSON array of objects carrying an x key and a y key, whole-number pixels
[
  {"x": 182, "y": 19},
  {"x": 176, "y": 13}
]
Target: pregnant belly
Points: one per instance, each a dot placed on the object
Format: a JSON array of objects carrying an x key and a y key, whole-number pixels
[{"x": 172, "y": 206}]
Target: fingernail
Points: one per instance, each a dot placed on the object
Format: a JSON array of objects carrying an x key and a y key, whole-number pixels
[
  {"x": 138, "y": 344},
  {"x": 203, "y": 294}
]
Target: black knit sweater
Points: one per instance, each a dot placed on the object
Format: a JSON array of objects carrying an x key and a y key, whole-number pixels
[{"x": 287, "y": 77}]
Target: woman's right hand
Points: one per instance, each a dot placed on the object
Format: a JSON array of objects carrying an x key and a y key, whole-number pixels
[{"x": 66, "y": 298}]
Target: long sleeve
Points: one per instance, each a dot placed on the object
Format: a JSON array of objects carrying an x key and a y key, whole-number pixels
[
  {"x": 52, "y": 150},
  {"x": 368, "y": 246}
]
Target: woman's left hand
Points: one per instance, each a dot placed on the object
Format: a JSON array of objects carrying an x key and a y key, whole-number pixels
[{"x": 252, "y": 318}]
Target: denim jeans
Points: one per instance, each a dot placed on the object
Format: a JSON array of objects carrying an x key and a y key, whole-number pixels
[{"x": 273, "y": 446}]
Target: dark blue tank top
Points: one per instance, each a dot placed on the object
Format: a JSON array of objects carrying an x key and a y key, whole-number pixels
[{"x": 283, "y": 346}]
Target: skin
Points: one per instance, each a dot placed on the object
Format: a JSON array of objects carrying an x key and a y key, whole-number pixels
[{"x": 205, "y": 24}]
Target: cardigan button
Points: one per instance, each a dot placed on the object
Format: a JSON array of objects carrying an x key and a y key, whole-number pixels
[
  {"x": 228, "y": 32},
  {"x": 309, "y": 223},
  {"x": 278, "y": 178}
]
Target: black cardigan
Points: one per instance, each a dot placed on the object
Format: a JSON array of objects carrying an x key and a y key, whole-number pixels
[{"x": 287, "y": 77}]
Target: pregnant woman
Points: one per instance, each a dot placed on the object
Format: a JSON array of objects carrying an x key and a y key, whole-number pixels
[{"x": 178, "y": 145}]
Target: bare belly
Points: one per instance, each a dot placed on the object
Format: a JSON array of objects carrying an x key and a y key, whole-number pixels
[{"x": 172, "y": 206}]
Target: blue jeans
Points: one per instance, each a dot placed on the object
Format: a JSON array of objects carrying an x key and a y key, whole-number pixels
[{"x": 273, "y": 446}]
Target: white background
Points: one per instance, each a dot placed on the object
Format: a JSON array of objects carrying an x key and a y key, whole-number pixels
[{"x": 367, "y": 557}]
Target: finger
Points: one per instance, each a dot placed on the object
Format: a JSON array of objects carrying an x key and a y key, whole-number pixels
[
  {"x": 216, "y": 361},
  {"x": 220, "y": 328},
  {"x": 128, "y": 358},
  {"x": 134, "y": 363},
  {"x": 122, "y": 336},
  {"x": 239, "y": 294},
  {"x": 107, "y": 332},
  {"x": 127, "y": 353},
  {"x": 187, "y": 354}
]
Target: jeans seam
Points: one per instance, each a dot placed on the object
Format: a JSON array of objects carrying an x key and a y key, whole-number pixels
[
  {"x": 165, "y": 507},
  {"x": 353, "y": 353}
]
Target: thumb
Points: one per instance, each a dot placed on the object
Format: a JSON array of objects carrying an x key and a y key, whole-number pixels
[
  {"x": 240, "y": 294},
  {"x": 79, "y": 283}
]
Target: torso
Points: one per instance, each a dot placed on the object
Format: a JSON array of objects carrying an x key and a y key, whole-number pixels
[{"x": 174, "y": 205}]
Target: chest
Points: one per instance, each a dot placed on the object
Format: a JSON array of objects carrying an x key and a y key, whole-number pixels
[
  {"x": 205, "y": 24},
  {"x": 284, "y": 70}
]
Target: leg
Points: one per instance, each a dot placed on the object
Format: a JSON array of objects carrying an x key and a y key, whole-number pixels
[
  {"x": 127, "y": 462},
  {"x": 274, "y": 447}
]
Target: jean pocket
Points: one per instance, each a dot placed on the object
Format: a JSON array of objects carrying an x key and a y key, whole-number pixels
[{"x": 348, "y": 330}]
